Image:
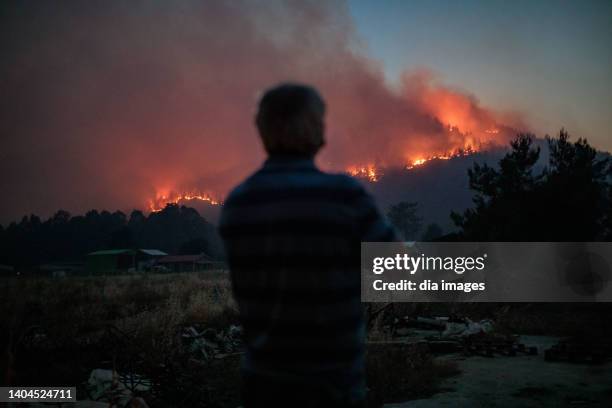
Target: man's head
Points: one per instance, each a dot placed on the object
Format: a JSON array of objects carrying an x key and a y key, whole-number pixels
[{"x": 290, "y": 120}]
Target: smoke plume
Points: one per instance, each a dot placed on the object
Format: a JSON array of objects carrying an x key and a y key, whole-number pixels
[{"x": 110, "y": 104}]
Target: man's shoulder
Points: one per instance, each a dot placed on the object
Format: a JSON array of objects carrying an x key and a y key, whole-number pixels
[
  {"x": 262, "y": 187},
  {"x": 345, "y": 181},
  {"x": 238, "y": 191},
  {"x": 261, "y": 181}
]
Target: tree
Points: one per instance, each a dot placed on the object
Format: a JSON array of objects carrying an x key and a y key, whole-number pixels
[
  {"x": 501, "y": 205},
  {"x": 432, "y": 231},
  {"x": 122, "y": 238},
  {"x": 31, "y": 242},
  {"x": 403, "y": 216},
  {"x": 577, "y": 190},
  {"x": 568, "y": 201},
  {"x": 195, "y": 246}
]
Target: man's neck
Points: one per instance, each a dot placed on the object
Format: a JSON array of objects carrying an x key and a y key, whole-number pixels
[{"x": 289, "y": 160}]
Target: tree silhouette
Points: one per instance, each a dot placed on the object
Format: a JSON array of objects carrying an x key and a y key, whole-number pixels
[
  {"x": 63, "y": 237},
  {"x": 568, "y": 201},
  {"x": 195, "y": 246},
  {"x": 403, "y": 216},
  {"x": 432, "y": 232},
  {"x": 577, "y": 189}
]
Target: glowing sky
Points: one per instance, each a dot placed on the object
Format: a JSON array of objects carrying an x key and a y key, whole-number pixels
[{"x": 550, "y": 59}]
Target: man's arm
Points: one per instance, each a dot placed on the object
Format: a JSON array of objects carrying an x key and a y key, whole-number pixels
[{"x": 373, "y": 226}]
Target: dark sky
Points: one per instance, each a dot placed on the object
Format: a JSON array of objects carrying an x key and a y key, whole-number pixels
[{"x": 109, "y": 104}]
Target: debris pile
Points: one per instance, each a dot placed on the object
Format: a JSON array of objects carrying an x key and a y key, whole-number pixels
[
  {"x": 454, "y": 334},
  {"x": 489, "y": 345},
  {"x": 207, "y": 343},
  {"x": 447, "y": 327},
  {"x": 467, "y": 328},
  {"x": 110, "y": 387}
]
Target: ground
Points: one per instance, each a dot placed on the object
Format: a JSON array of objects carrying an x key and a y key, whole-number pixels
[
  {"x": 521, "y": 381},
  {"x": 57, "y": 331}
]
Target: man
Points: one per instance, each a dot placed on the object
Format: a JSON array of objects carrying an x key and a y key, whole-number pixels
[{"x": 292, "y": 235}]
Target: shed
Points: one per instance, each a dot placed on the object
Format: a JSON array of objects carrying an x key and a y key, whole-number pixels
[
  {"x": 146, "y": 258},
  {"x": 122, "y": 260},
  {"x": 188, "y": 263},
  {"x": 111, "y": 261}
]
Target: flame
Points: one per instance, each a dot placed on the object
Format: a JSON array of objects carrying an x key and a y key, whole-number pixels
[
  {"x": 373, "y": 173},
  {"x": 369, "y": 172},
  {"x": 161, "y": 200},
  {"x": 444, "y": 156},
  {"x": 419, "y": 162}
]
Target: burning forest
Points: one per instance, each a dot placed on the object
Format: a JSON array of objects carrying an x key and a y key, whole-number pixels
[{"x": 161, "y": 201}]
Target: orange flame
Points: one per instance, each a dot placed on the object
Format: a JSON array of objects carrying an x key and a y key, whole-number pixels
[
  {"x": 161, "y": 200},
  {"x": 373, "y": 174},
  {"x": 369, "y": 172},
  {"x": 445, "y": 156}
]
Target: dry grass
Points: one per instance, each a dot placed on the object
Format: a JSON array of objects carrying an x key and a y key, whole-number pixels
[
  {"x": 75, "y": 315},
  {"x": 76, "y": 303},
  {"x": 147, "y": 312},
  {"x": 556, "y": 319}
]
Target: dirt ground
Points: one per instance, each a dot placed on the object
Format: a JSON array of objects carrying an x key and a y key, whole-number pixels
[{"x": 521, "y": 381}]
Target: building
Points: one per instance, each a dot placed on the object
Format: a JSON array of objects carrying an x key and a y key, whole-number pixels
[
  {"x": 111, "y": 261},
  {"x": 186, "y": 263},
  {"x": 122, "y": 260},
  {"x": 146, "y": 258}
]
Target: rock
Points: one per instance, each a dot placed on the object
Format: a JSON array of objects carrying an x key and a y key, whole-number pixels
[
  {"x": 138, "y": 403},
  {"x": 402, "y": 331},
  {"x": 235, "y": 332},
  {"x": 468, "y": 328}
]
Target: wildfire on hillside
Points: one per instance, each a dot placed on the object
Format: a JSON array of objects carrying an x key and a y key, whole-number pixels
[
  {"x": 469, "y": 146},
  {"x": 369, "y": 172},
  {"x": 468, "y": 151},
  {"x": 185, "y": 122},
  {"x": 161, "y": 200},
  {"x": 373, "y": 173},
  {"x": 465, "y": 144}
]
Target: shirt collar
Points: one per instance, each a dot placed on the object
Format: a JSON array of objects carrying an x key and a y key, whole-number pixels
[{"x": 289, "y": 161}]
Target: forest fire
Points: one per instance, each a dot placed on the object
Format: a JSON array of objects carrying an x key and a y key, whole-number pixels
[
  {"x": 200, "y": 128},
  {"x": 369, "y": 172},
  {"x": 468, "y": 151},
  {"x": 160, "y": 202},
  {"x": 373, "y": 173}
]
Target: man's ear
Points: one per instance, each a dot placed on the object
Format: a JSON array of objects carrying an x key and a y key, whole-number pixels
[{"x": 323, "y": 139}]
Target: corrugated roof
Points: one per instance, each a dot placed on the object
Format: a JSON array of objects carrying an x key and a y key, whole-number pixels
[
  {"x": 153, "y": 252},
  {"x": 184, "y": 258},
  {"x": 112, "y": 252}
]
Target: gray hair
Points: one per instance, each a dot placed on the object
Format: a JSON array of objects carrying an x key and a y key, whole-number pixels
[{"x": 290, "y": 120}]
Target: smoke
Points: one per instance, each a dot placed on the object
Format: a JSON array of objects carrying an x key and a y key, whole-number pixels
[{"x": 108, "y": 104}]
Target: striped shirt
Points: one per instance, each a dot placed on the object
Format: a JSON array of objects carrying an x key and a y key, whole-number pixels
[{"x": 292, "y": 236}]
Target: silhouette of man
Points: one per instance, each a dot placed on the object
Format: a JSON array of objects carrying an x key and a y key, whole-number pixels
[{"x": 292, "y": 235}]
